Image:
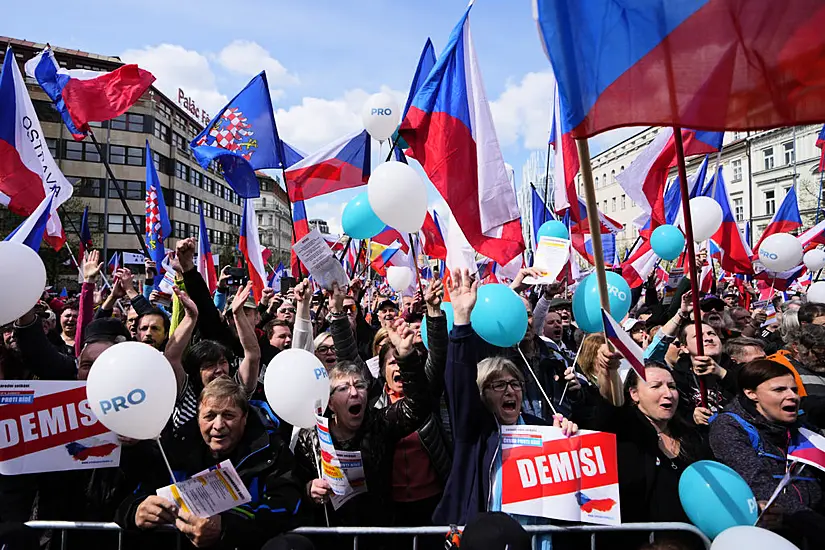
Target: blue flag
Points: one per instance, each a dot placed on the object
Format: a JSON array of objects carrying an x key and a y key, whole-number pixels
[
  {"x": 540, "y": 213},
  {"x": 425, "y": 64},
  {"x": 158, "y": 226},
  {"x": 32, "y": 229},
  {"x": 243, "y": 138}
]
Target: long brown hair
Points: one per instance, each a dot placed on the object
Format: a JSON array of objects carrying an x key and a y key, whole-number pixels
[{"x": 586, "y": 359}]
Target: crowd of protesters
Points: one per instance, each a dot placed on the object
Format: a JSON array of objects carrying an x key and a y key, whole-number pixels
[{"x": 426, "y": 419}]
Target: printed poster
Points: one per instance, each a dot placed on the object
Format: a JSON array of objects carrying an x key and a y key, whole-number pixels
[
  {"x": 210, "y": 492},
  {"x": 343, "y": 470},
  {"x": 48, "y": 426},
  {"x": 548, "y": 475}
]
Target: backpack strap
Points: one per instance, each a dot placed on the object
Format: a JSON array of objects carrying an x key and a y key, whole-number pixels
[{"x": 753, "y": 435}]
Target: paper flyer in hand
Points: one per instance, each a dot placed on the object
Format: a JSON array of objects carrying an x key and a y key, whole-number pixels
[
  {"x": 317, "y": 256},
  {"x": 343, "y": 470},
  {"x": 552, "y": 254},
  {"x": 548, "y": 475},
  {"x": 208, "y": 493}
]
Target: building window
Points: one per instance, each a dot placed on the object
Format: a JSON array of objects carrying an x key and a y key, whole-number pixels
[
  {"x": 263, "y": 202},
  {"x": 130, "y": 122},
  {"x": 120, "y": 154},
  {"x": 260, "y": 219},
  {"x": 161, "y": 162},
  {"x": 164, "y": 109},
  {"x": 767, "y": 155},
  {"x": 81, "y": 150},
  {"x": 179, "y": 142},
  {"x": 134, "y": 190},
  {"x": 604, "y": 208},
  {"x": 196, "y": 178},
  {"x": 181, "y": 200},
  {"x": 788, "y": 149},
  {"x": 624, "y": 202},
  {"x": 208, "y": 184},
  {"x": 736, "y": 165},
  {"x": 612, "y": 176},
  {"x": 613, "y": 204},
  {"x": 181, "y": 171},
  {"x": 161, "y": 131},
  {"x": 193, "y": 230},
  {"x": 87, "y": 187},
  {"x": 770, "y": 202},
  {"x": 54, "y": 147},
  {"x": 180, "y": 230},
  {"x": 218, "y": 213},
  {"x": 117, "y": 223},
  {"x": 207, "y": 210},
  {"x": 738, "y": 209},
  {"x": 46, "y": 112}
]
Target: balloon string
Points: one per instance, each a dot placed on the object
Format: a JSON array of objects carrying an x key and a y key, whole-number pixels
[
  {"x": 318, "y": 467},
  {"x": 552, "y": 408},
  {"x": 166, "y": 460}
]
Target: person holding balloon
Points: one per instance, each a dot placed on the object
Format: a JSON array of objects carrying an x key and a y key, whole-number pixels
[
  {"x": 354, "y": 426},
  {"x": 752, "y": 435}
]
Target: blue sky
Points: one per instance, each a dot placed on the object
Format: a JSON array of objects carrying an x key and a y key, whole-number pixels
[{"x": 323, "y": 58}]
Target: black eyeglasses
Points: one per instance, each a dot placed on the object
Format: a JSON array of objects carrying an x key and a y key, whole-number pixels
[
  {"x": 325, "y": 349},
  {"x": 500, "y": 386}
]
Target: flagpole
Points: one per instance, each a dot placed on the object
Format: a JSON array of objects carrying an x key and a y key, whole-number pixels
[
  {"x": 291, "y": 219},
  {"x": 113, "y": 179},
  {"x": 547, "y": 177},
  {"x": 415, "y": 261},
  {"x": 691, "y": 251}
]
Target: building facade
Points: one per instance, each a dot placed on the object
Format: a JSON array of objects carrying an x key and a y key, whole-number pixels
[
  {"x": 168, "y": 127},
  {"x": 320, "y": 225}
]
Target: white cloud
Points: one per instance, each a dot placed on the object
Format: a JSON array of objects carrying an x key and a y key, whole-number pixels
[
  {"x": 250, "y": 58},
  {"x": 176, "y": 67},
  {"x": 522, "y": 112}
]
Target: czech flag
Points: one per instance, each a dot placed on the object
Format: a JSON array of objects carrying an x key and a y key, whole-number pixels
[
  {"x": 206, "y": 264},
  {"x": 566, "y": 162},
  {"x": 274, "y": 279},
  {"x": 250, "y": 247},
  {"x": 82, "y": 96},
  {"x": 624, "y": 344},
  {"x": 450, "y": 130},
  {"x": 807, "y": 447},
  {"x": 785, "y": 220},
  {"x": 30, "y": 232},
  {"x": 737, "y": 254},
  {"x": 28, "y": 173},
  {"x": 388, "y": 236},
  {"x": 687, "y": 63},
  {"x": 343, "y": 164},
  {"x": 85, "y": 234},
  {"x": 114, "y": 263},
  {"x": 639, "y": 265},
  {"x": 300, "y": 229},
  {"x": 820, "y": 143}
]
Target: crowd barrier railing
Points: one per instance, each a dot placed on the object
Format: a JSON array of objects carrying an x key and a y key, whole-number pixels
[{"x": 357, "y": 533}]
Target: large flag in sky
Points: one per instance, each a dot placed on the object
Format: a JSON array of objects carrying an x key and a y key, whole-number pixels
[
  {"x": 243, "y": 138},
  {"x": 28, "y": 173},
  {"x": 450, "y": 130},
  {"x": 158, "y": 226},
  {"x": 250, "y": 247},
  {"x": 736, "y": 257},
  {"x": 206, "y": 265},
  {"x": 342, "y": 164},
  {"x": 82, "y": 96},
  {"x": 710, "y": 64},
  {"x": 566, "y": 162},
  {"x": 785, "y": 219},
  {"x": 30, "y": 232},
  {"x": 425, "y": 64}
]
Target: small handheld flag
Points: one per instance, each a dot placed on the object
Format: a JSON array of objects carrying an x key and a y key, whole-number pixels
[{"x": 624, "y": 344}]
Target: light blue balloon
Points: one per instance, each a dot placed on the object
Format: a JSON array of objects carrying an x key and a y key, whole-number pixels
[
  {"x": 715, "y": 497},
  {"x": 499, "y": 315},
  {"x": 553, "y": 228},
  {"x": 358, "y": 219},
  {"x": 667, "y": 242},
  {"x": 587, "y": 307},
  {"x": 447, "y": 308}
]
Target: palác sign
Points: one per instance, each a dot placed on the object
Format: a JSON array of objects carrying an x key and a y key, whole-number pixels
[
  {"x": 549, "y": 475},
  {"x": 189, "y": 104}
]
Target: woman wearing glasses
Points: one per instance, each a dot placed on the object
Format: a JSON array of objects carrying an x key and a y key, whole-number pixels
[{"x": 374, "y": 433}]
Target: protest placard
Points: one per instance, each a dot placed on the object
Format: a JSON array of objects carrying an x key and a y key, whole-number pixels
[
  {"x": 343, "y": 470},
  {"x": 210, "y": 492},
  {"x": 48, "y": 426},
  {"x": 317, "y": 256},
  {"x": 552, "y": 254},
  {"x": 549, "y": 475}
]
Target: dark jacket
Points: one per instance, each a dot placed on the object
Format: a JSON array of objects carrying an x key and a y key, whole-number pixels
[
  {"x": 263, "y": 462},
  {"x": 720, "y": 391},
  {"x": 431, "y": 433},
  {"x": 475, "y": 433},
  {"x": 380, "y": 430},
  {"x": 42, "y": 358},
  {"x": 210, "y": 324},
  {"x": 346, "y": 349}
]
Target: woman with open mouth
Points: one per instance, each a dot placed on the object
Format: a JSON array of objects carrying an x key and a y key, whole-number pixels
[{"x": 752, "y": 436}]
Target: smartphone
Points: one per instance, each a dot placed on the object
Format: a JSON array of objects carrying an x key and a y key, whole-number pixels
[{"x": 286, "y": 284}]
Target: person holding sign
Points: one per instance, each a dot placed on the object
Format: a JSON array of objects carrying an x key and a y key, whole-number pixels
[
  {"x": 356, "y": 428},
  {"x": 481, "y": 396}
]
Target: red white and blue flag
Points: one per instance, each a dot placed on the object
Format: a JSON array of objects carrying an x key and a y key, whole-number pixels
[
  {"x": 28, "y": 173},
  {"x": 85, "y": 234},
  {"x": 640, "y": 264},
  {"x": 736, "y": 257},
  {"x": 342, "y": 164},
  {"x": 114, "y": 263},
  {"x": 274, "y": 279},
  {"x": 807, "y": 447},
  {"x": 82, "y": 96},
  {"x": 388, "y": 236},
  {"x": 820, "y": 143},
  {"x": 566, "y": 164},
  {"x": 785, "y": 220},
  {"x": 449, "y": 128},
  {"x": 250, "y": 247},
  {"x": 624, "y": 344},
  {"x": 300, "y": 229},
  {"x": 432, "y": 237},
  {"x": 30, "y": 232},
  {"x": 636, "y": 64},
  {"x": 206, "y": 264}
]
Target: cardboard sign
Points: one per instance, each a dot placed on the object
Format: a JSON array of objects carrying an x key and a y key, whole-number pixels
[
  {"x": 48, "y": 426},
  {"x": 549, "y": 475}
]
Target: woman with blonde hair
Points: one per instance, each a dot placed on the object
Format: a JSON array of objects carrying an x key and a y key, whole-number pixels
[{"x": 586, "y": 360}]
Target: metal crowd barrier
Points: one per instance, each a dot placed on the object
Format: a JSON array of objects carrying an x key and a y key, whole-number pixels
[{"x": 357, "y": 532}]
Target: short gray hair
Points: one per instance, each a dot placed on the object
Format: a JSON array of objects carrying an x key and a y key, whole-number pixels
[
  {"x": 346, "y": 368},
  {"x": 494, "y": 366}
]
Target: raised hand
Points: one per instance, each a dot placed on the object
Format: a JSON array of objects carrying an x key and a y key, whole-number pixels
[
  {"x": 240, "y": 297},
  {"x": 185, "y": 253},
  {"x": 463, "y": 294},
  {"x": 433, "y": 297},
  {"x": 91, "y": 266},
  {"x": 401, "y": 336},
  {"x": 224, "y": 277},
  {"x": 128, "y": 282},
  {"x": 336, "y": 302},
  {"x": 266, "y": 296},
  {"x": 518, "y": 283}
]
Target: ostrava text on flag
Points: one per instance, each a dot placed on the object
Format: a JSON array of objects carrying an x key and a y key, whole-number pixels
[
  {"x": 82, "y": 96},
  {"x": 243, "y": 138},
  {"x": 342, "y": 164},
  {"x": 688, "y": 63},
  {"x": 28, "y": 173},
  {"x": 450, "y": 130},
  {"x": 158, "y": 226}
]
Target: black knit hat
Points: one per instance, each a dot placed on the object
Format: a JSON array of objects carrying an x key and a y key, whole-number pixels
[
  {"x": 494, "y": 531},
  {"x": 105, "y": 330}
]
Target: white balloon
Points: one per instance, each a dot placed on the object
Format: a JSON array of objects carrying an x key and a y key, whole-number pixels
[
  {"x": 22, "y": 280},
  {"x": 747, "y": 536},
  {"x": 398, "y": 196},
  {"x": 706, "y": 215},
  {"x": 816, "y": 293},
  {"x": 780, "y": 252},
  {"x": 381, "y": 115},
  {"x": 132, "y": 390},
  {"x": 294, "y": 382},
  {"x": 399, "y": 277},
  {"x": 814, "y": 259}
]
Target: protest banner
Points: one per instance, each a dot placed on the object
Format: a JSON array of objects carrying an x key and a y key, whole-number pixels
[
  {"x": 546, "y": 474},
  {"x": 48, "y": 426}
]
